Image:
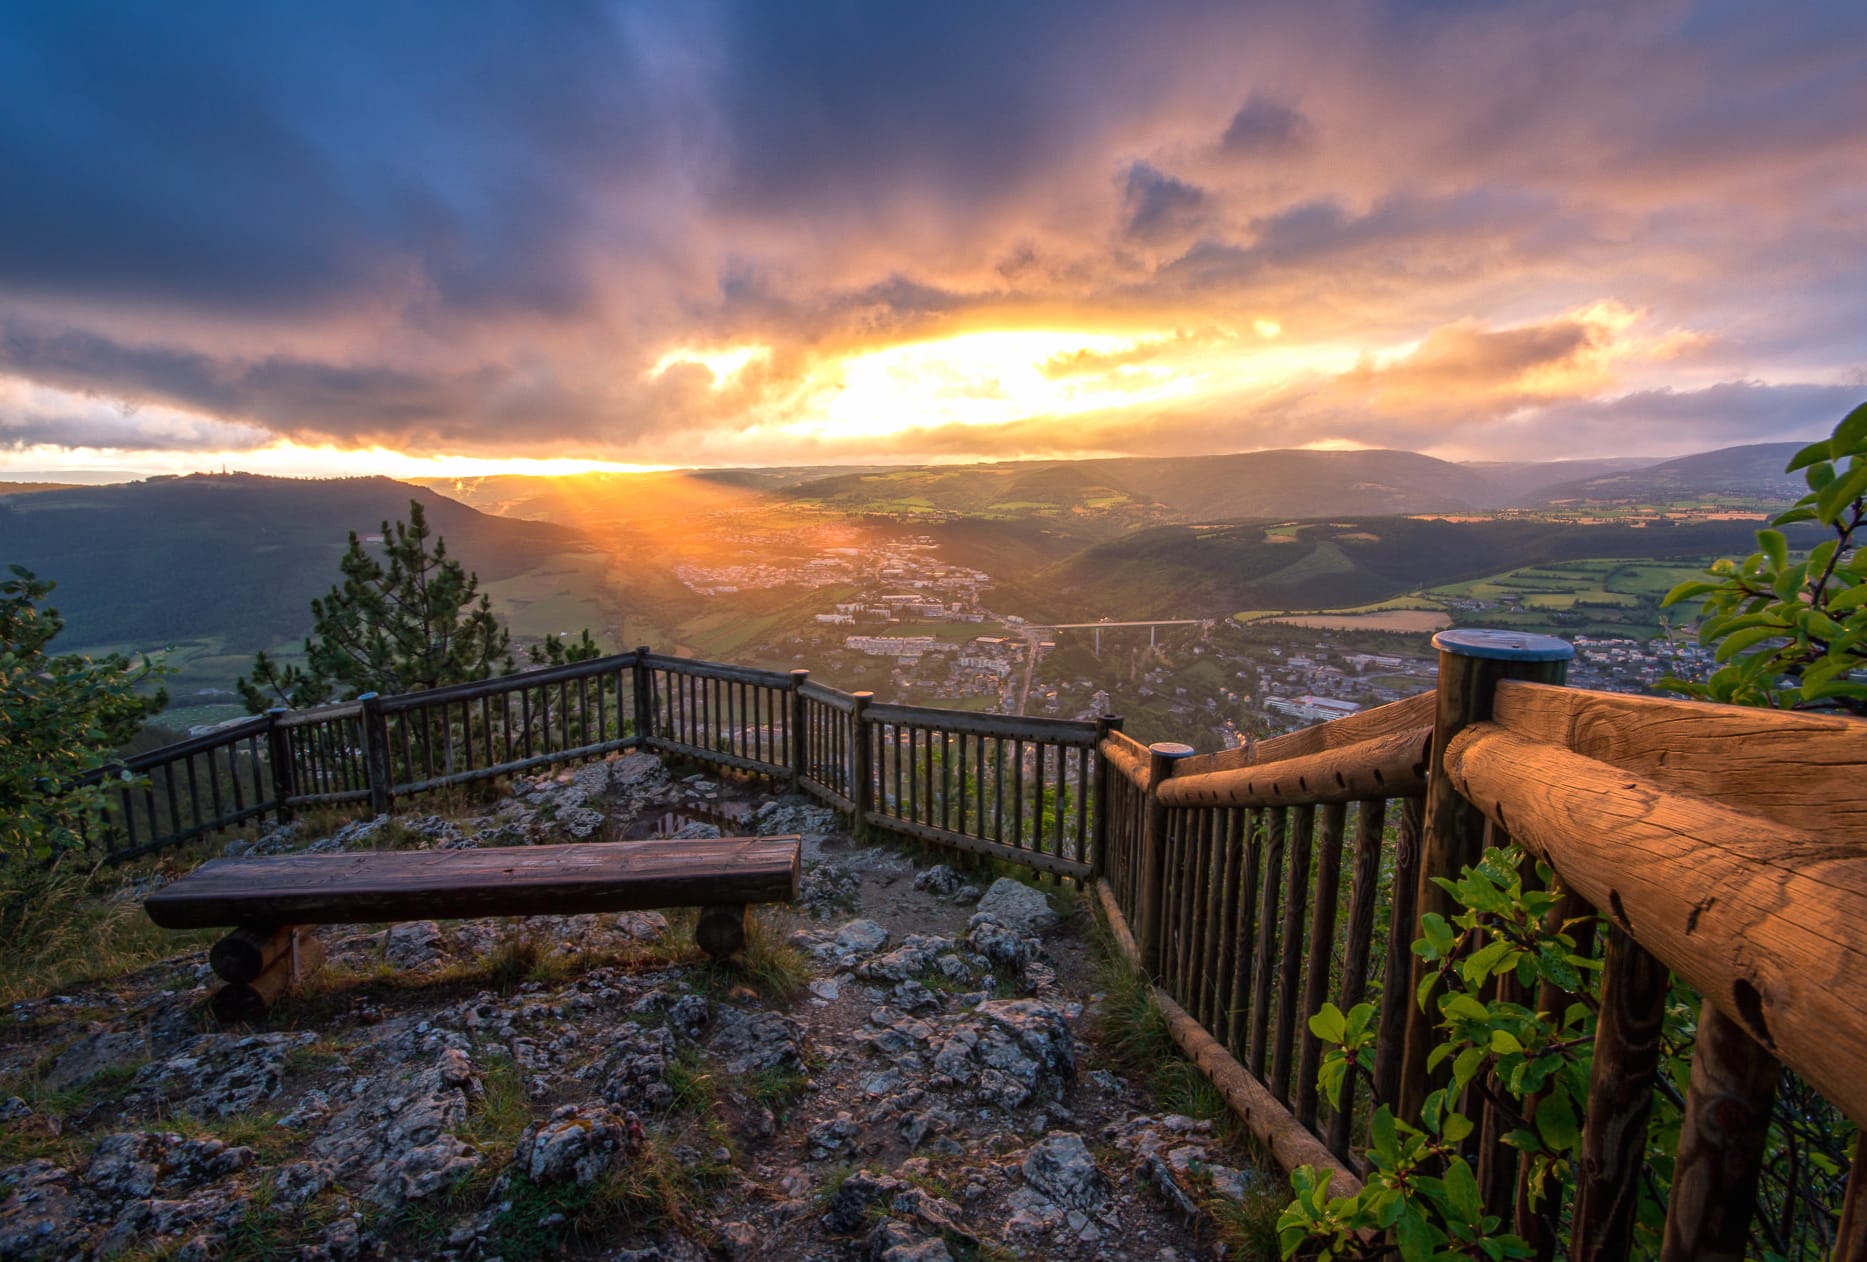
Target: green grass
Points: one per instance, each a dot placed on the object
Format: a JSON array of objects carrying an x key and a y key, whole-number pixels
[{"x": 71, "y": 925}]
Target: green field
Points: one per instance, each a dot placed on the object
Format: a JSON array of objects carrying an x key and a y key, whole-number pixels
[{"x": 1587, "y": 597}]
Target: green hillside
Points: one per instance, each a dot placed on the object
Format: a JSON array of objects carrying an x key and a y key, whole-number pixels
[
  {"x": 1203, "y": 572},
  {"x": 231, "y": 558}
]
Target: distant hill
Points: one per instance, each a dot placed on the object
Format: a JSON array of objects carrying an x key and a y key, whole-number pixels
[
  {"x": 1750, "y": 472},
  {"x": 239, "y": 556},
  {"x": 1180, "y": 571},
  {"x": 33, "y": 488},
  {"x": 1257, "y": 484},
  {"x": 1521, "y": 481}
]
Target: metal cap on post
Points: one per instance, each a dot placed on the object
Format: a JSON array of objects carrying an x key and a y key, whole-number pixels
[
  {"x": 1161, "y": 757},
  {"x": 1471, "y": 662}
]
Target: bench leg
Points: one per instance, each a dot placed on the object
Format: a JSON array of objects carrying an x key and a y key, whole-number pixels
[
  {"x": 248, "y": 1001},
  {"x": 721, "y": 929}
]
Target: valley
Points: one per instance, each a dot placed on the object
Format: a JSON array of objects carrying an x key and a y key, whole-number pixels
[{"x": 1186, "y": 596}]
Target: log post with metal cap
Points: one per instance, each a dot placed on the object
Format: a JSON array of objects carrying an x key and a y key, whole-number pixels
[
  {"x": 279, "y": 760},
  {"x": 644, "y": 698},
  {"x": 1161, "y": 757},
  {"x": 1098, "y": 863},
  {"x": 1471, "y": 662}
]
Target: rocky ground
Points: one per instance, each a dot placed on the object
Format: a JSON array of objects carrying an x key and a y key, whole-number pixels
[{"x": 906, "y": 1067}]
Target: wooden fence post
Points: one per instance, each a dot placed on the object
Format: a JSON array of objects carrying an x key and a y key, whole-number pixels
[
  {"x": 376, "y": 755},
  {"x": 1161, "y": 757},
  {"x": 1099, "y": 787},
  {"x": 1721, "y": 1143},
  {"x": 279, "y": 754},
  {"x": 861, "y": 788},
  {"x": 800, "y": 739},
  {"x": 644, "y": 697},
  {"x": 1471, "y": 662},
  {"x": 1634, "y": 986}
]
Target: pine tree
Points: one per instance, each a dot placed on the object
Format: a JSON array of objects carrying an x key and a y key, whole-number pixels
[{"x": 419, "y": 621}]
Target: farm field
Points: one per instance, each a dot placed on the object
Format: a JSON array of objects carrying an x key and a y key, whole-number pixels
[{"x": 1586, "y": 597}]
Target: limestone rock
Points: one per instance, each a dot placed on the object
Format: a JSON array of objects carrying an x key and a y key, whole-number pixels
[
  {"x": 1061, "y": 1167},
  {"x": 578, "y": 1144},
  {"x": 1017, "y": 906}
]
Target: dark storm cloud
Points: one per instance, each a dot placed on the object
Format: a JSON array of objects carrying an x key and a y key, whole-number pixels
[
  {"x": 1266, "y": 128},
  {"x": 1160, "y": 206},
  {"x": 480, "y": 228}
]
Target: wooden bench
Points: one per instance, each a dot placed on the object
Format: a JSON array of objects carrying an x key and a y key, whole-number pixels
[{"x": 269, "y": 898}]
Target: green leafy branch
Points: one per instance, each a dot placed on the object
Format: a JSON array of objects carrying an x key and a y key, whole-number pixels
[{"x": 1790, "y": 631}]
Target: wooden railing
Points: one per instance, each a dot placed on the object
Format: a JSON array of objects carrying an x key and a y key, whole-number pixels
[
  {"x": 1723, "y": 846},
  {"x": 1021, "y": 789}
]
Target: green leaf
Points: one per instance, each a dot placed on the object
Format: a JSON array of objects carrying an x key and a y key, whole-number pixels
[
  {"x": 1504, "y": 1043},
  {"x": 1850, "y": 437},
  {"x": 1775, "y": 545},
  {"x": 1329, "y": 1024},
  {"x": 1555, "y": 1122},
  {"x": 1840, "y": 493},
  {"x": 1809, "y": 455}
]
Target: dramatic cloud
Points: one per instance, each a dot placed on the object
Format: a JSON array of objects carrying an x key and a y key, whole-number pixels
[{"x": 738, "y": 232}]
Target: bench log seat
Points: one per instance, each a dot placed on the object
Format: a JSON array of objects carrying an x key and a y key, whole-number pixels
[{"x": 262, "y": 895}]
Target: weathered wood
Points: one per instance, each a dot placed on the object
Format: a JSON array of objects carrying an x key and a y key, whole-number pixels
[
  {"x": 699, "y": 670},
  {"x": 1620, "y": 1100},
  {"x": 362, "y": 888},
  {"x": 1390, "y": 1044},
  {"x": 1074, "y": 732},
  {"x": 1150, "y": 922},
  {"x": 376, "y": 754},
  {"x": 1370, "y": 819},
  {"x": 1290, "y": 949},
  {"x": 1771, "y": 924},
  {"x": 1721, "y": 1142},
  {"x": 279, "y": 763},
  {"x": 317, "y": 716},
  {"x": 1267, "y": 1119},
  {"x": 1118, "y": 925},
  {"x": 861, "y": 775},
  {"x": 248, "y": 1001},
  {"x": 721, "y": 929},
  {"x": 1290, "y": 1144},
  {"x": 1686, "y": 746},
  {"x": 1123, "y": 754},
  {"x": 1471, "y": 664},
  {"x": 1321, "y": 955},
  {"x": 1398, "y": 716},
  {"x": 1851, "y": 1232},
  {"x": 1536, "y": 1217},
  {"x": 974, "y": 845},
  {"x": 1379, "y": 768},
  {"x": 245, "y": 953},
  {"x": 1264, "y": 957}
]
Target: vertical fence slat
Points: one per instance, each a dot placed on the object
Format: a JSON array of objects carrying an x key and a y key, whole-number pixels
[
  {"x": 1634, "y": 988},
  {"x": 1321, "y": 954}
]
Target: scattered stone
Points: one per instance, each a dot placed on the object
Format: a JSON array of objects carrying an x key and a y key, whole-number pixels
[
  {"x": 579, "y": 1143},
  {"x": 1017, "y": 906},
  {"x": 1061, "y": 1168},
  {"x": 751, "y": 1041},
  {"x": 861, "y": 936},
  {"x": 219, "y": 1075}
]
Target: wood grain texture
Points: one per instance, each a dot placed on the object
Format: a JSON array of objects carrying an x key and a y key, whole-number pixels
[
  {"x": 1721, "y": 1141},
  {"x": 451, "y": 884},
  {"x": 1387, "y": 766},
  {"x": 1395, "y": 717},
  {"x": 248, "y": 1001},
  {"x": 1766, "y": 921},
  {"x": 1620, "y": 1100},
  {"x": 1764, "y": 762},
  {"x": 247, "y": 952}
]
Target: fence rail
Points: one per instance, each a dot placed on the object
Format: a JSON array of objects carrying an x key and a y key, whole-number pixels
[{"x": 1723, "y": 846}]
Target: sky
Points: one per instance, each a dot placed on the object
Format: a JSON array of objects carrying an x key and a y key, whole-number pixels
[{"x": 371, "y": 237}]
